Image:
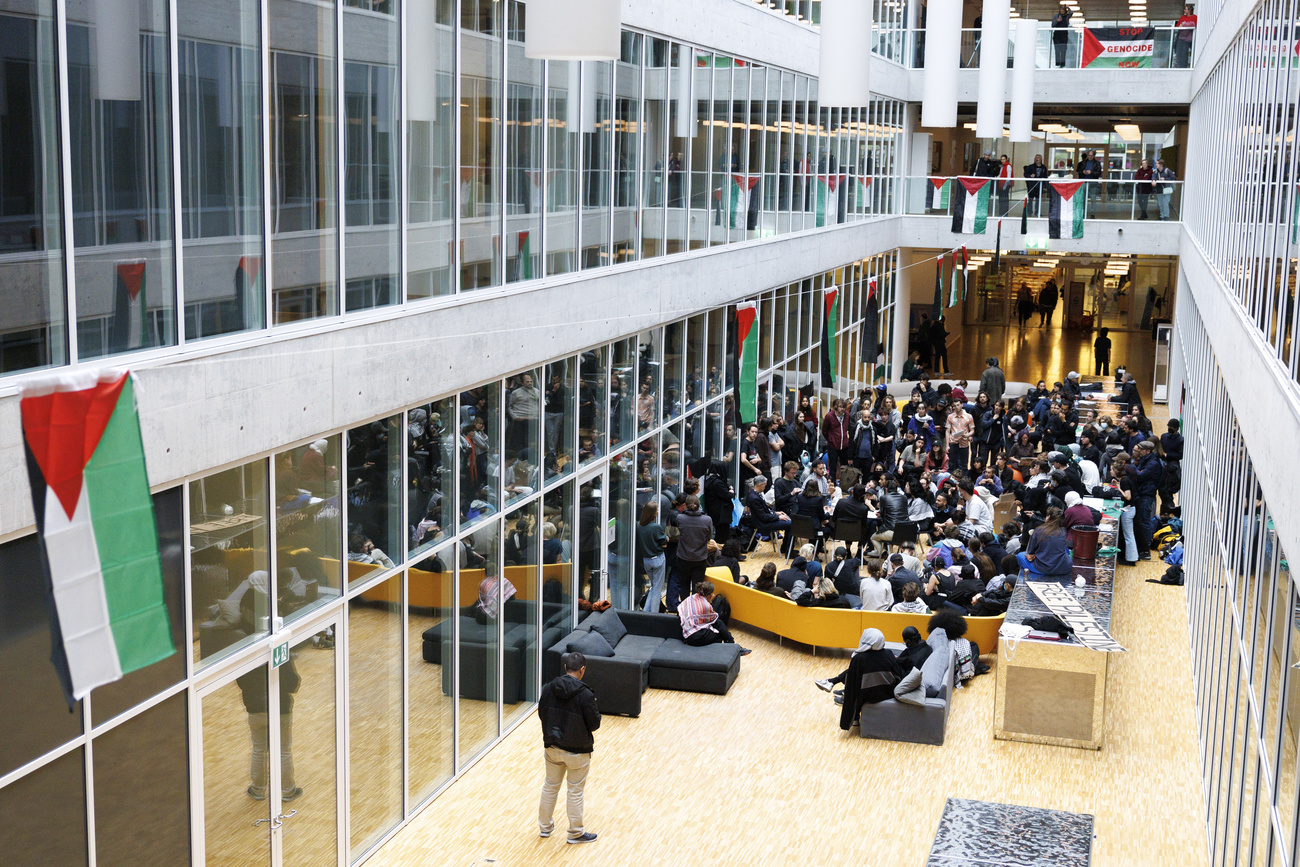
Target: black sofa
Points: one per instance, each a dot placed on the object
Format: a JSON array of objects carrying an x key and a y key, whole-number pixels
[
  {"x": 652, "y": 653},
  {"x": 518, "y": 652}
]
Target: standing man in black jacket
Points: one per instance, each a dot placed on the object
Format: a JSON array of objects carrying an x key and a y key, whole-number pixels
[
  {"x": 568, "y": 712},
  {"x": 1035, "y": 173}
]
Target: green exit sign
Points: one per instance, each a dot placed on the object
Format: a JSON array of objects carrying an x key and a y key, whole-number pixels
[
  {"x": 280, "y": 655},
  {"x": 1036, "y": 243}
]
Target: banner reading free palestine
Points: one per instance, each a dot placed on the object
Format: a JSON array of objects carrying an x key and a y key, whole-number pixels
[
  {"x": 90, "y": 491},
  {"x": 1118, "y": 47}
]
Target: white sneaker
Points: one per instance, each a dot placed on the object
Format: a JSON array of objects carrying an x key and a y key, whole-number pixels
[{"x": 824, "y": 685}]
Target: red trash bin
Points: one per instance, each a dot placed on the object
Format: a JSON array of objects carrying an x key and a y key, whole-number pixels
[{"x": 1083, "y": 539}]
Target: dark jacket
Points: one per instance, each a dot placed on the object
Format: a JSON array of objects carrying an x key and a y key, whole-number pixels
[
  {"x": 568, "y": 712},
  {"x": 893, "y": 509},
  {"x": 994, "y": 382},
  {"x": 1128, "y": 395},
  {"x": 1146, "y": 476},
  {"x": 846, "y": 575},
  {"x": 993, "y": 603},
  {"x": 783, "y": 493},
  {"x": 696, "y": 531},
  {"x": 871, "y": 677},
  {"x": 759, "y": 511},
  {"x": 900, "y": 579}
]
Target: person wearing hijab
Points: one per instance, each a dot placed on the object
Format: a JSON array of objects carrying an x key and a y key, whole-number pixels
[
  {"x": 873, "y": 670},
  {"x": 1076, "y": 513}
]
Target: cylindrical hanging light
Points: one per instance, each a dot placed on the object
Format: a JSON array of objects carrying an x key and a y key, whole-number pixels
[
  {"x": 991, "y": 105},
  {"x": 845, "y": 72},
  {"x": 573, "y": 29},
  {"x": 942, "y": 61},
  {"x": 117, "y": 50},
  {"x": 1022, "y": 80},
  {"x": 684, "y": 94},
  {"x": 421, "y": 62}
]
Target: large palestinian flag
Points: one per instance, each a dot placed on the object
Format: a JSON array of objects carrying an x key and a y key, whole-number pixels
[
  {"x": 746, "y": 360},
  {"x": 970, "y": 205},
  {"x": 1068, "y": 205},
  {"x": 828, "y": 199},
  {"x": 830, "y": 336},
  {"x": 861, "y": 202},
  {"x": 1115, "y": 47},
  {"x": 742, "y": 190},
  {"x": 85, "y": 462}
]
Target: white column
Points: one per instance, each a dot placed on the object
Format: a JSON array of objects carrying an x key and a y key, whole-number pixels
[
  {"x": 569, "y": 30},
  {"x": 1022, "y": 80},
  {"x": 844, "y": 78},
  {"x": 991, "y": 106},
  {"x": 421, "y": 65},
  {"x": 942, "y": 60},
  {"x": 117, "y": 50}
]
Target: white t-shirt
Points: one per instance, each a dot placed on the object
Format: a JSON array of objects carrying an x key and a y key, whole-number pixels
[{"x": 978, "y": 512}]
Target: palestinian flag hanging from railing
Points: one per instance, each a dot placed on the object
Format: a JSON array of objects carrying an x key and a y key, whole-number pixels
[
  {"x": 830, "y": 336},
  {"x": 970, "y": 205},
  {"x": 746, "y": 360},
  {"x": 861, "y": 202},
  {"x": 525, "y": 264},
  {"x": 129, "y": 327},
  {"x": 965, "y": 271},
  {"x": 936, "y": 309},
  {"x": 742, "y": 188},
  {"x": 828, "y": 199},
  {"x": 90, "y": 491},
  {"x": 1118, "y": 47},
  {"x": 941, "y": 185},
  {"x": 954, "y": 282},
  {"x": 1067, "y": 208}
]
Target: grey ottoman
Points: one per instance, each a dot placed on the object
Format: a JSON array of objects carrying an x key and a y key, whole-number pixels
[{"x": 712, "y": 668}]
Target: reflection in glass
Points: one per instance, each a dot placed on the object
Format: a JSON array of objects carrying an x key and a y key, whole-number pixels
[
  {"x": 524, "y": 175},
  {"x": 702, "y": 207},
  {"x": 308, "y": 527},
  {"x": 562, "y": 166},
  {"x": 695, "y": 378},
  {"x": 236, "y": 739},
  {"x": 374, "y": 460},
  {"x": 681, "y": 129},
  {"x": 627, "y": 135},
  {"x": 596, "y": 145},
  {"x": 221, "y": 166},
  {"x": 674, "y": 370},
  {"x": 304, "y": 154},
  {"x": 151, "y": 747},
  {"x": 371, "y": 183},
  {"x": 308, "y": 769},
  {"x": 557, "y": 563},
  {"x": 647, "y": 380},
  {"x": 229, "y": 560},
  {"x": 430, "y": 164},
  {"x": 654, "y": 154},
  {"x": 429, "y": 645},
  {"x": 45, "y": 813},
  {"x": 375, "y": 713},
  {"x": 623, "y": 394},
  {"x": 523, "y": 418},
  {"x": 622, "y": 516},
  {"x": 31, "y": 238},
  {"x": 559, "y": 415},
  {"x": 521, "y": 613},
  {"x": 431, "y": 470},
  {"x": 480, "y": 149},
  {"x": 591, "y": 526},
  {"x": 593, "y": 408},
  {"x": 481, "y": 599},
  {"x": 480, "y": 452},
  {"x": 119, "y": 119}
]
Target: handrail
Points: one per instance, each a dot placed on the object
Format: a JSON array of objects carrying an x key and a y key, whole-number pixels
[
  {"x": 1116, "y": 197},
  {"x": 1094, "y": 45}
]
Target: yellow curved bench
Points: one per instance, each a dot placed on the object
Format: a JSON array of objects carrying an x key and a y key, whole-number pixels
[{"x": 831, "y": 627}]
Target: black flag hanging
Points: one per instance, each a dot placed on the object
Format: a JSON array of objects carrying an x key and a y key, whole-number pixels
[
  {"x": 870, "y": 324},
  {"x": 1024, "y": 217},
  {"x": 937, "y": 314},
  {"x": 997, "y": 248}
]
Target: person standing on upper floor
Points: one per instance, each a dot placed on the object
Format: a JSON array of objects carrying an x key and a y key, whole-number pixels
[
  {"x": 939, "y": 343},
  {"x": 1143, "y": 178},
  {"x": 1164, "y": 183},
  {"x": 1184, "y": 33},
  {"x": 1101, "y": 352},
  {"x": 992, "y": 381},
  {"x": 1145, "y": 471},
  {"x": 1061, "y": 33},
  {"x": 1004, "y": 183},
  {"x": 1035, "y": 173},
  {"x": 1090, "y": 169},
  {"x": 986, "y": 166},
  {"x": 1047, "y": 300}
]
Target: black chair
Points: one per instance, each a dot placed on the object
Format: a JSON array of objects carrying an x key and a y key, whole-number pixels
[
  {"x": 848, "y": 531},
  {"x": 907, "y": 531},
  {"x": 801, "y": 527}
]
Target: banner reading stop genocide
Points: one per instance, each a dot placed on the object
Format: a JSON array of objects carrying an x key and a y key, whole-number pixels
[{"x": 1118, "y": 47}]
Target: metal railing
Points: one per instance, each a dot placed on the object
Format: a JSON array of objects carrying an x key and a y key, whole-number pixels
[
  {"x": 1121, "y": 45},
  {"x": 1107, "y": 199}
]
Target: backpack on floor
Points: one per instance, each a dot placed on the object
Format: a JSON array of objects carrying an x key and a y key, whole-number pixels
[{"x": 1173, "y": 575}]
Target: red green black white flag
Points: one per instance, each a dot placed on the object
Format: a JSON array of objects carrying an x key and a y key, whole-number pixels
[
  {"x": 940, "y": 201},
  {"x": 828, "y": 199},
  {"x": 1065, "y": 214},
  {"x": 742, "y": 189},
  {"x": 746, "y": 361},
  {"x": 970, "y": 205},
  {"x": 90, "y": 490},
  {"x": 830, "y": 336}
]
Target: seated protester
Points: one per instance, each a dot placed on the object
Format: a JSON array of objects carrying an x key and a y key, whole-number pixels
[
  {"x": 946, "y": 628},
  {"x": 844, "y": 571},
  {"x": 870, "y": 678},
  {"x": 910, "y": 561},
  {"x": 818, "y": 593},
  {"x": 1048, "y": 553},
  {"x": 875, "y": 592},
  {"x": 486, "y": 609},
  {"x": 993, "y": 603},
  {"x": 989, "y": 481},
  {"x": 817, "y": 472},
  {"x": 811, "y": 503},
  {"x": 1090, "y": 475},
  {"x": 964, "y": 527},
  {"x": 701, "y": 625},
  {"x": 1076, "y": 513},
  {"x": 985, "y": 565},
  {"x": 1088, "y": 450},
  {"x": 942, "y": 510},
  {"x": 729, "y": 556},
  {"x": 943, "y": 554},
  {"x": 1009, "y": 565},
  {"x": 813, "y": 566},
  {"x": 900, "y": 576},
  {"x": 993, "y": 547},
  {"x": 763, "y": 517},
  {"x": 854, "y": 506},
  {"x": 911, "y": 602},
  {"x": 766, "y": 581},
  {"x": 968, "y": 586},
  {"x": 786, "y": 488},
  {"x": 915, "y": 651},
  {"x": 932, "y": 593},
  {"x": 1073, "y": 476},
  {"x": 786, "y": 579}
]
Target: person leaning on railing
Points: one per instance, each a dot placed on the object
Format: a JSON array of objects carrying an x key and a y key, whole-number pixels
[
  {"x": 1061, "y": 33},
  {"x": 1184, "y": 33}
]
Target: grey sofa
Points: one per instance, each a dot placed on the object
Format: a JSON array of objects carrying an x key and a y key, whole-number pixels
[
  {"x": 895, "y": 720},
  {"x": 652, "y": 653}
]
